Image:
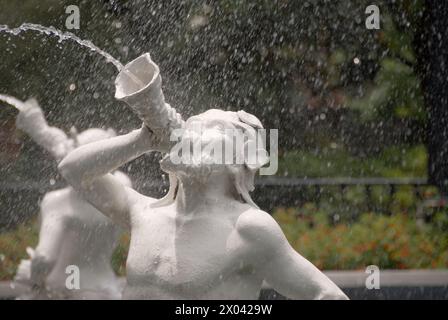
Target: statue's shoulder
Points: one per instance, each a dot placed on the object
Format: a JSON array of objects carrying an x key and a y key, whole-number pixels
[
  {"x": 258, "y": 226},
  {"x": 55, "y": 198}
]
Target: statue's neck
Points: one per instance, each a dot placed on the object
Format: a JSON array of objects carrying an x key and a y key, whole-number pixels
[{"x": 195, "y": 196}]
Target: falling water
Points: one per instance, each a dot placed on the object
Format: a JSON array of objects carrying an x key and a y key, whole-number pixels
[
  {"x": 63, "y": 36},
  {"x": 12, "y": 101}
]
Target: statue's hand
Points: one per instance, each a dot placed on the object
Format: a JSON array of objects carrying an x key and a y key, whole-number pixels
[
  {"x": 30, "y": 116},
  {"x": 154, "y": 142}
]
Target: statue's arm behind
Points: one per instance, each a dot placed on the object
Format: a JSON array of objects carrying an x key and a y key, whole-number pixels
[
  {"x": 88, "y": 168},
  {"x": 280, "y": 265},
  {"x": 31, "y": 120}
]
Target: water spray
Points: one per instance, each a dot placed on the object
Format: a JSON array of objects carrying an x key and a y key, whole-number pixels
[{"x": 144, "y": 96}]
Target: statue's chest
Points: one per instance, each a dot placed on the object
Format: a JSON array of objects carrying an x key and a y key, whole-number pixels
[{"x": 166, "y": 252}]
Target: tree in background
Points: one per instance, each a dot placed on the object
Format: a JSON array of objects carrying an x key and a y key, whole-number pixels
[{"x": 433, "y": 67}]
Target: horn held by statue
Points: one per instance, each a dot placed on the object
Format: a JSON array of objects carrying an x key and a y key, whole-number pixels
[{"x": 139, "y": 85}]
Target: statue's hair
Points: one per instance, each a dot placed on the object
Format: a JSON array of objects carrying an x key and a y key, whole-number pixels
[{"x": 242, "y": 175}]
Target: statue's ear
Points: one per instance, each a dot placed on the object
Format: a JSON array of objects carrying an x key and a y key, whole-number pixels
[{"x": 249, "y": 119}]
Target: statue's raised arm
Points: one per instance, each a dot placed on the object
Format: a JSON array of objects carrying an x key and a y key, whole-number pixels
[
  {"x": 88, "y": 168},
  {"x": 32, "y": 120}
]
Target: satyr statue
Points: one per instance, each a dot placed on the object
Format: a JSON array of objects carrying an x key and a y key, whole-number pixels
[
  {"x": 76, "y": 242},
  {"x": 206, "y": 239}
]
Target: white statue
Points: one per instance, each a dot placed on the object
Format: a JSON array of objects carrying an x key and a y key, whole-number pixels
[
  {"x": 72, "y": 232},
  {"x": 206, "y": 239}
]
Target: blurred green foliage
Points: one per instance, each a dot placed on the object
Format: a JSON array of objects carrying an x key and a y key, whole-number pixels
[
  {"x": 13, "y": 246},
  {"x": 395, "y": 90},
  {"x": 390, "y": 242},
  {"x": 350, "y": 202},
  {"x": 333, "y": 161}
]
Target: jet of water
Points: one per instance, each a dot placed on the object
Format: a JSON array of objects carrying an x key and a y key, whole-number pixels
[
  {"x": 19, "y": 105},
  {"x": 63, "y": 36}
]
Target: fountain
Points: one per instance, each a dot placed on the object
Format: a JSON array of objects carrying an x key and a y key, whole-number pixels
[
  {"x": 206, "y": 239},
  {"x": 72, "y": 232}
]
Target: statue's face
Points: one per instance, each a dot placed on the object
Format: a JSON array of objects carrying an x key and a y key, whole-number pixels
[{"x": 196, "y": 150}]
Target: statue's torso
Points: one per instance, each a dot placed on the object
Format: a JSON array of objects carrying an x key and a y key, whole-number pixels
[
  {"x": 190, "y": 258},
  {"x": 88, "y": 242}
]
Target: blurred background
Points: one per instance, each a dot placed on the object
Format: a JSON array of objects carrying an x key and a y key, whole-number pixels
[{"x": 361, "y": 113}]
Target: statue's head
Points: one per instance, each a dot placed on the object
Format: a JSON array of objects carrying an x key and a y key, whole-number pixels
[
  {"x": 216, "y": 144},
  {"x": 90, "y": 135}
]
